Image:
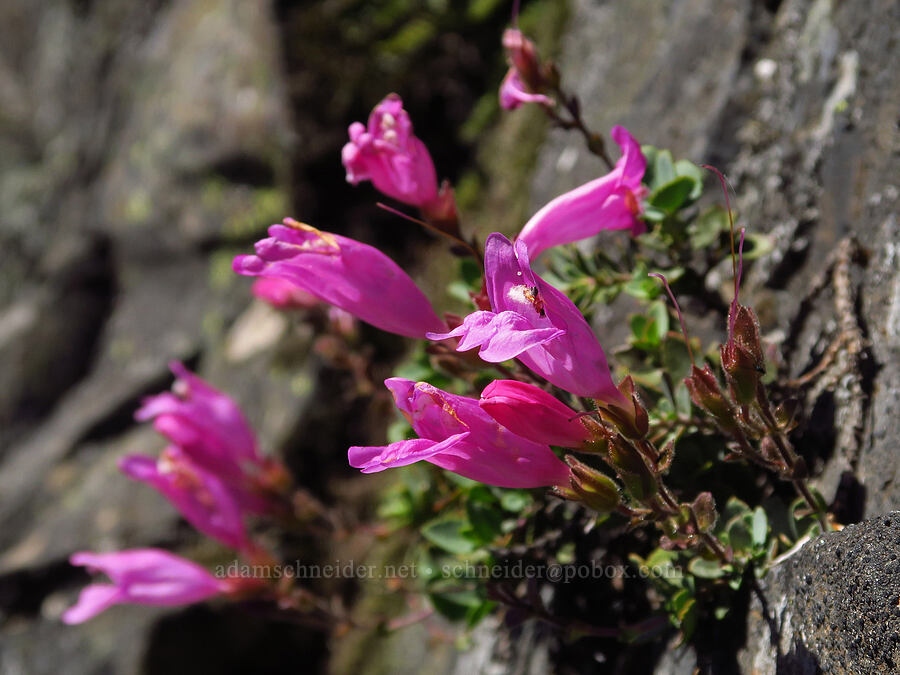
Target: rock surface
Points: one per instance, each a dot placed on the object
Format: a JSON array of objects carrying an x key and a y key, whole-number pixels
[{"x": 833, "y": 607}]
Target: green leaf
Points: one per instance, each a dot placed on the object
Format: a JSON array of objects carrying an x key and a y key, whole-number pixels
[
  {"x": 687, "y": 168},
  {"x": 455, "y": 605},
  {"x": 760, "y": 526},
  {"x": 707, "y": 227},
  {"x": 653, "y": 215},
  {"x": 486, "y": 521},
  {"x": 673, "y": 195},
  {"x": 663, "y": 169},
  {"x": 470, "y": 271},
  {"x": 515, "y": 500},
  {"x": 757, "y": 245},
  {"x": 675, "y": 357},
  {"x": 649, "y": 153},
  {"x": 660, "y": 315},
  {"x": 643, "y": 287},
  {"x": 705, "y": 569},
  {"x": 449, "y": 535},
  {"x": 475, "y": 614},
  {"x": 461, "y": 481},
  {"x": 739, "y": 535}
]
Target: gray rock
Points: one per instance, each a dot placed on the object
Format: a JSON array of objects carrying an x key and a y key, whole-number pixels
[{"x": 831, "y": 608}]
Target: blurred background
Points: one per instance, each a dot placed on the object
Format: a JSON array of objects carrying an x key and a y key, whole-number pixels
[{"x": 144, "y": 144}]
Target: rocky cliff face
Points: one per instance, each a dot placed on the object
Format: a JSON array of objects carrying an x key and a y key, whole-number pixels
[
  {"x": 799, "y": 103},
  {"x": 138, "y": 143}
]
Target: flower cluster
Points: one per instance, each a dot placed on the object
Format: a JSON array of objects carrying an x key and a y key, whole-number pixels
[
  {"x": 556, "y": 396},
  {"x": 213, "y": 473},
  {"x": 505, "y": 438}
]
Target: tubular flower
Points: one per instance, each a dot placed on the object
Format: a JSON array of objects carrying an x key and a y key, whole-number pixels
[
  {"x": 387, "y": 153},
  {"x": 348, "y": 274},
  {"x": 203, "y": 500},
  {"x": 524, "y": 79},
  {"x": 533, "y": 413},
  {"x": 283, "y": 294},
  {"x": 536, "y": 323},
  {"x": 457, "y": 435},
  {"x": 611, "y": 202},
  {"x": 142, "y": 576},
  {"x": 204, "y": 422},
  {"x": 514, "y": 92},
  {"x": 210, "y": 430}
]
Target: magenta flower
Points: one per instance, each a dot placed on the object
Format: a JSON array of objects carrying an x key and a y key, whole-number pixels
[
  {"x": 457, "y": 435},
  {"x": 203, "y": 500},
  {"x": 523, "y": 58},
  {"x": 346, "y": 273},
  {"x": 611, "y": 202},
  {"x": 514, "y": 92},
  {"x": 143, "y": 576},
  {"x": 283, "y": 294},
  {"x": 387, "y": 153},
  {"x": 211, "y": 431},
  {"x": 536, "y": 323},
  {"x": 533, "y": 413}
]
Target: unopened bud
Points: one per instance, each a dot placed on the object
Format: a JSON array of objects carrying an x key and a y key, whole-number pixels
[
  {"x": 740, "y": 372},
  {"x": 746, "y": 335},
  {"x": 706, "y": 394},
  {"x": 666, "y": 455},
  {"x": 593, "y": 488},
  {"x": 704, "y": 510},
  {"x": 742, "y": 357},
  {"x": 631, "y": 422},
  {"x": 786, "y": 413},
  {"x": 632, "y": 468},
  {"x": 522, "y": 56}
]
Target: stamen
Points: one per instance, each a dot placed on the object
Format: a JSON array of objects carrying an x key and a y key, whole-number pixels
[
  {"x": 397, "y": 212},
  {"x": 687, "y": 340},
  {"x": 587, "y": 413},
  {"x": 730, "y": 218},
  {"x": 515, "y": 14},
  {"x": 737, "y": 286}
]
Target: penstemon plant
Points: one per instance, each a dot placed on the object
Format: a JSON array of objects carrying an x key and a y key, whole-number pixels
[{"x": 532, "y": 421}]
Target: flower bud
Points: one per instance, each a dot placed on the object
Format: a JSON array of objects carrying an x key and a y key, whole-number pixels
[
  {"x": 742, "y": 356},
  {"x": 533, "y": 413},
  {"x": 632, "y": 468},
  {"x": 631, "y": 421},
  {"x": 593, "y": 488},
  {"x": 523, "y": 58},
  {"x": 706, "y": 394},
  {"x": 704, "y": 510}
]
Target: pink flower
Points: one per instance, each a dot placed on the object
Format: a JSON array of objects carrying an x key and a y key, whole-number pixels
[
  {"x": 211, "y": 431},
  {"x": 388, "y": 154},
  {"x": 524, "y": 80},
  {"x": 203, "y": 500},
  {"x": 457, "y": 435},
  {"x": 611, "y": 202},
  {"x": 522, "y": 57},
  {"x": 143, "y": 576},
  {"x": 533, "y": 413},
  {"x": 346, "y": 273},
  {"x": 536, "y": 323},
  {"x": 513, "y": 92},
  {"x": 283, "y": 294}
]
